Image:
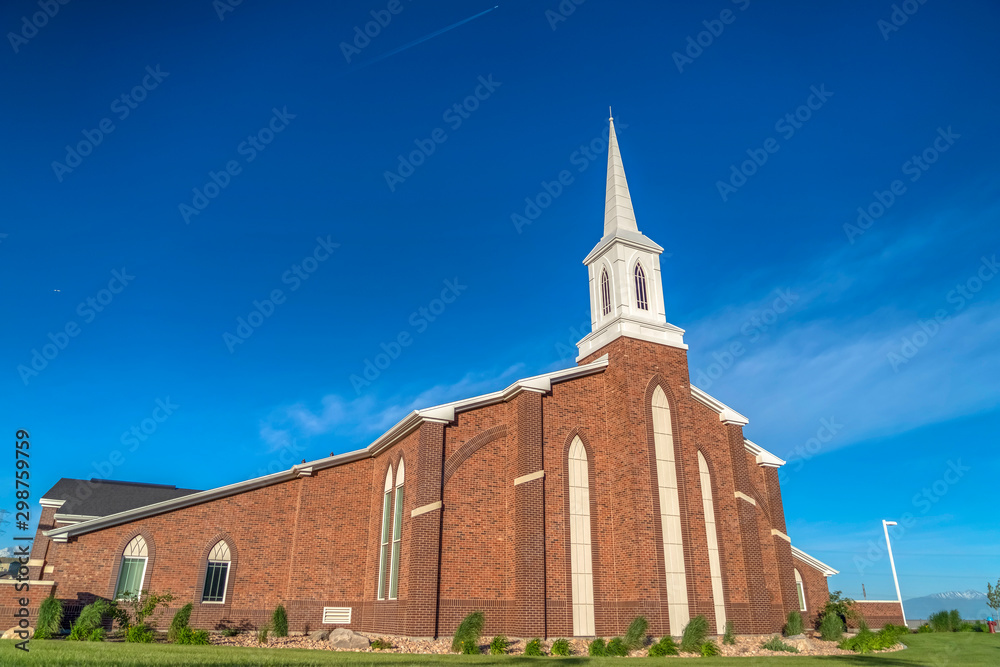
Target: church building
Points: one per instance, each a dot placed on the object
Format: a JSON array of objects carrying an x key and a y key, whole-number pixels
[{"x": 562, "y": 506}]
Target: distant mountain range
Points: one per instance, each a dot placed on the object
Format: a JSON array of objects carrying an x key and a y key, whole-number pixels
[{"x": 970, "y": 604}]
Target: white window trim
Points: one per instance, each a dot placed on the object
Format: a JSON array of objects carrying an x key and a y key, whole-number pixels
[
  {"x": 225, "y": 582},
  {"x": 142, "y": 578},
  {"x": 394, "y": 555},
  {"x": 381, "y": 588},
  {"x": 800, "y": 588}
]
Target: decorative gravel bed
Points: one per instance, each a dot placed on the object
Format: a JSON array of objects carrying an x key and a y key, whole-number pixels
[{"x": 745, "y": 645}]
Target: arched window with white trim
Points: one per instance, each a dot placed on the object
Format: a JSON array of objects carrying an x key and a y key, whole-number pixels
[
  {"x": 217, "y": 574},
  {"x": 581, "y": 551},
  {"x": 133, "y": 568},
  {"x": 670, "y": 513},
  {"x": 605, "y": 292},
  {"x": 383, "y": 556},
  {"x": 800, "y": 590},
  {"x": 397, "y": 533},
  {"x": 712, "y": 533},
  {"x": 640, "y": 288}
]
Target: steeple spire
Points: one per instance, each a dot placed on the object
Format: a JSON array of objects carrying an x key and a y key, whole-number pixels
[{"x": 618, "y": 213}]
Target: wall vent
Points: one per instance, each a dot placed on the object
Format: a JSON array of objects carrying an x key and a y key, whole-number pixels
[{"x": 337, "y": 615}]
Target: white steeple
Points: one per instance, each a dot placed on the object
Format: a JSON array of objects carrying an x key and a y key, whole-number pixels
[{"x": 626, "y": 292}]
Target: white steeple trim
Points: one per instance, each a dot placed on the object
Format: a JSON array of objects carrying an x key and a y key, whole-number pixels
[{"x": 636, "y": 312}]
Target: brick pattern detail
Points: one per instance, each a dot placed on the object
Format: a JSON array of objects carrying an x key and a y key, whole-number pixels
[
  {"x": 877, "y": 614},
  {"x": 529, "y": 518}
]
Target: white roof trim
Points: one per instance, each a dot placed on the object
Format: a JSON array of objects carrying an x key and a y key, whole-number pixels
[
  {"x": 726, "y": 414},
  {"x": 825, "y": 569},
  {"x": 763, "y": 457},
  {"x": 50, "y": 502},
  {"x": 437, "y": 414}
]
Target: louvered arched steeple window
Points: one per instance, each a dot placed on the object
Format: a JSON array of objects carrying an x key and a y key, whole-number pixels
[
  {"x": 605, "y": 292},
  {"x": 640, "y": 288}
]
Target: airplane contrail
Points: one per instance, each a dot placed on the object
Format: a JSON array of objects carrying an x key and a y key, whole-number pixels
[{"x": 420, "y": 40}]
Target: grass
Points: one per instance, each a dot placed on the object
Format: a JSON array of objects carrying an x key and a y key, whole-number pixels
[{"x": 960, "y": 648}]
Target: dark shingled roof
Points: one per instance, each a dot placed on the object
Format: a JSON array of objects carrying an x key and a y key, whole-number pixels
[{"x": 102, "y": 497}]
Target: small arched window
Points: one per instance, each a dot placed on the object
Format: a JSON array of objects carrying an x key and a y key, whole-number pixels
[
  {"x": 605, "y": 292},
  {"x": 640, "y": 288},
  {"x": 133, "y": 568},
  {"x": 383, "y": 556},
  {"x": 397, "y": 533},
  {"x": 800, "y": 590},
  {"x": 217, "y": 573}
]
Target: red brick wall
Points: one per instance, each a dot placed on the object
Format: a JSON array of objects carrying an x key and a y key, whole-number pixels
[
  {"x": 878, "y": 613},
  {"x": 816, "y": 591}
]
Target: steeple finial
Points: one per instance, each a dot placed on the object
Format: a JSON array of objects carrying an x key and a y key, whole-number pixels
[{"x": 618, "y": 213}]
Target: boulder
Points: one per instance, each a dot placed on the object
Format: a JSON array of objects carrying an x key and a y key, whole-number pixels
[
  {"x": 10, "y": 634},
  {"x": 319, "y": 635},
  {"x": 344, "y": 638}
]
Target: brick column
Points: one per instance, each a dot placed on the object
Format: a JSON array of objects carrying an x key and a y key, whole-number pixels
[
  {"x": 782, "y": 543},
  {"x": 760, "y": 601},
  {"x": 529, "y": 518},
  {"x": 423, "y": 553}
]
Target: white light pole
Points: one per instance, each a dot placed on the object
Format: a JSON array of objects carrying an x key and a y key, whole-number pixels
[{"x": 892, "y": 563}]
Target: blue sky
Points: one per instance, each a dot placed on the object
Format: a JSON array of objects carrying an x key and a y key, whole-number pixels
[{"x": 279, "y": 144}]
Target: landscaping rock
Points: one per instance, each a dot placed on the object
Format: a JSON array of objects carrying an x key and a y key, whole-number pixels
[
  {"x": 319, "y": 635},
  {"x": 9, "y": 634},
  {"x": 798, "y": 636},
  {"x": 344, "y": 638}
]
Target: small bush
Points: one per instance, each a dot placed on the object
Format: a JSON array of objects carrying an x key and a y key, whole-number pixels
[
  {"x": 831, "y": 629},
  {"x": 979, "y": 626},
  {"x": 90, "y": 620},
  {"x": 139, "y": 633},
  {"x": 924, "y": 629},
  {"x": 775, "y": 644},
  {"x": 499, "y": 645},
  {"x": 955, "y": 620},
  {"x": 534, "y": 648},
  {"x": 560, "y": 647},
  {"x": 262, "y": 635},
  {"x": 194, "y": 637},
  {"x": 944, "y": 621},
  {"x": 468, "y": 630},
  {"x": 694, "y": 635},
  {"x": 793, "y": 624},
  {"x": 864, "y": 642},
  {"x": 180, "y": 621},
  {"x": 664, "y": 647},
  {"x": 279, "y": 621},
  {"x": 470, "y": 647},
  {"x": 709, "y": 649},
  {"x": 966, "y": 627},
  {"x": 635, "y": 636},
  {"x": 381, "y": 644},
  {"x": 50, "y": 616},
  {"x": 597, "y": 648},
  {"x": 729, "y": 636},
  {"x": 97, "y": 635},
  {"x": 617, "y": 648},
  {"x": 230, "y": 632}
]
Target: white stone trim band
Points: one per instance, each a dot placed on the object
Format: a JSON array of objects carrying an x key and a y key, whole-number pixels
[
  {"x": 745, "y": 497},
  {"x": 778, "y": 533},
  {"x": 427, "y": 508},
  {"x": 529, "y": 477},
  {"x": 36, "y": 562}
]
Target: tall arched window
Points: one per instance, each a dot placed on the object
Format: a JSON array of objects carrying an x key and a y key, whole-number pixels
[
  {"x": 217, "y": 574},
  {"x": 397, "y": 533},
  {"x": 640, "y": 288},
  {"x": 800, "y": 590},
  {"x": 711, "y": 531},
  {"x": 605, "y": 292},
  {"x": 670, "y": 513},
  {"x": 383, "y": 556},
  {"x": 581, "y": 552},
  {"x": 133, "y": 568}
]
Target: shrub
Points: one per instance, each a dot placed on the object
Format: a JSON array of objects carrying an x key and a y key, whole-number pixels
[
  {"x": 230, "y": 632},
  {"x": 729, "y": 636},
  {"x": 279, "y": 621},
  {"x": 979, "y": 626},
  {"x": 97, "y": 635},
  {"x": 180, "y": 621},
  {"x": 133, "y": 610},
  {"x": 966, "y": 627},
  {"x": 889, "y": 636},
  {"x": 864, "y": 642},
  {"x": 924, "y": 629},
  {"x": 694, "y": 635},
  {"x": 617, "y": 648},
  {"x": 664, "y": 647},
  {"x": 381, "y": 644},
  {"x": 140, "y": 633},
  {"x": 793, "y": 624},
  {"x": 597, "y": 648},
  {"x": 499, "y": 645},
  {"x": 635, "y": 636},
  {"x": 90, "y": 620},
  {"x": 944, "y": 621},
  {"x": 534, "y": 647},
  {"x": 831, "y": 628},
  {"x": 775, "y": 644},
  {"x": 468, "y": 630},
  {"x": 50, "y": 615},
  {"x": 470, "y": 647},
  {"x": 195, "y": 637},
  {"x": 955, "y": 620},
  {"x": 560, "y": 647},
  {"x": 262, "y": 635},
  {"x": 708, "y": 649}
]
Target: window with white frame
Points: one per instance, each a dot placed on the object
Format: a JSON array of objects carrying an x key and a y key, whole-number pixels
[
  {"x": 383, "y": 559},
  {"x": 800, "y": 590},
  {"x": 640, "y": 288},
  {"x": 397, "y": 532},
  {"x": 133, "y": 568},
  {"x": 217, "y": 574},
  {"x": 605, "y": 292}
]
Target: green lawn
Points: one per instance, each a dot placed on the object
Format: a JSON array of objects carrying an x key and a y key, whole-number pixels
[{"x": 954, "y": 649}]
